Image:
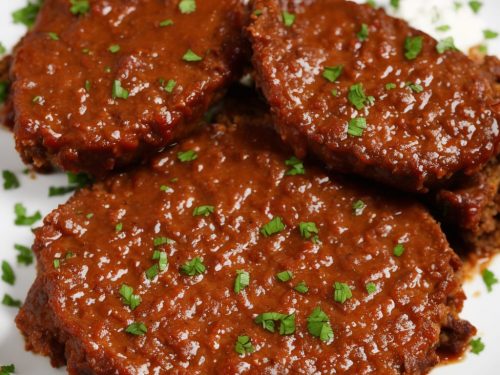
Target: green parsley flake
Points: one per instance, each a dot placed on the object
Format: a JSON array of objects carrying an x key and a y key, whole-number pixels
[
  {"x": 186, "y": 156},
  {"x": 274, "y": 226},
  {"x": 89, "y": 216},
  {"x": 301, "y": 287},
  {"x": 297, "y": 167},
  {"x": 60, "y": 190},
  {"x": 371, "y": 288},
  {"x": 390, "y": 86},
  {"x": 10, "y": 180},
  {"x": 22, "y": 218},
  {"x": 268, "y": 322},
  {"x": 7, "y": 369},
  {"x": 4, "y": 90},
  {"x": 53, "y": 36},
  {"x": 475, "y": 6},
  {"x": 27, "y": 15},
  {"x": 443, "y": 28},
  {"x": 193, "y": 267},
  {"x": 332, "y": 73},
  {"x": 160, "y": 241},
  {"x": 2, "y": 49},
  {"x": 152, "y": 271},
  {"x": 371, "y": 3},
  {"x": 57, "y": 263},
  {"x": 129, "y": 298},
  {"x": 203, "y": 211},
  {"x": 335, "y": 93},
  {"x": 309, "y": 230},
  {"x": 8, "y": 300},
  {"x": 190, "y": 56},
  {"x": 490, "y": 34},
  {"x": 447, "y": 44},
  {"x": 38, "y": 99},
  {"x": 187, "y": 6},
  {"x": 342, "y": 292},
  {"x": 79, "y": 7},
  {"x": 476, "y": 346},
  {"x": 257, "y": 12},
  {"x": 284, "y": 276},
  {"x": 395, "y": 4},
  {"x": 166, "y": 23},
  {"x": 25, "y": 255},
  {"x": 119, "y": 227},
  {"x": 319, "y": 326},
  {"x": 288, "y": 18},
  {"x": 243, "y": 345},
  {"x": 114, "y": 48},
  {"x": 169, "y": 86},
  {"x": 87, "y": 86},
  {"x": 358, "y": 207},
  {"x": 413, "y": 47},
  {"x": 8, "y": 274},
  {"x": 118, "y": 90},
  {"x": 241, "y": 281},
  {"x": 162, "y": 258},
  {"x": 165, "y": 188},
  {"x": 489, "y": 279},
  {"x": 415, "y": 87},
  {"x": 357, "y": 96},
  {"x": 363, "y": 33},
  {"x": 399, "y": 249},
  {"x": 356, "y": 127},
  {"x": 137, "y": 329}
]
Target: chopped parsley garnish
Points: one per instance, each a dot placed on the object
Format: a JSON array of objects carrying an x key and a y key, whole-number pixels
[
  {"x": 8, "y": 274},
  {"x": 447, "y": 44},
  {"x": 118, "y": 227},
  {"x": 137, "y": 329},
  {"x": 60, "y": 190},
  {"x": 7, "y": 369},
  {"x": 390, "y": 86},
  {"x": 22, "y": 218},
  {"x": 203, "y": 211},
  {"x": 475, "y": 6},
  {"x": 357, "y": 96},
  {"x": 241, "y": 281},
  {"x": 257, "y": 12},
  {"x": 185, "y": 156},
  {"x": 358, "y": 207},
  {"x": 335, "y": 93},
  {"x": 162, "y": 258},
  {"x": 8, "y": 300},
  {"x": 371, "y": 288},
  {"x": 159, "y": 241},
  {"x": 57, "y": 263},
  {"x": 301, "y": 287},
  {"x": 399, "y": 249},
  {"x": 89, "y": 216},
  {"x": 2, "y": 49},
  {"x": 476, "y": 346},
  {"x": 395, "y": 4},
  {"x": 342, "y": 292},
  {"x": 53, "y": 36},
  {"x": 443, "y": 28},
  {"x": 413, "y": 47},
  {"x": 193, "y": 267},
  {"x": 87, "y": 86},
  {"x": 152, "y": 271},
  {"x": 489, "y": 279},
  {"x": 118, "y": 90},
  {"x": 79, "y": 7},
  {"x": 284, "y": 276},
  {"x": 167, "y": 22},
  {"x": 114, "y": 48},
  {"x": 190, "y": 56},
  {"x": 490, "y": 34},
  {"x": 319, "y": 326},
  {"x": 268, "y": 322},
  {"x": 288, "y": 18},
  {"x": 243, "y": 345},
  {"x": 129, "y": 298},
  {"x": 4, "y": 90},
  {"x": 297, "y": 167},
  {"x": 38, "y": 99},
  {"x": 415, "y": 87},
  {"x": 75, "y": 181},
  {"x": 356, "y": 126},
  {"x": 187, "y": 6},
  {"x": 309, "y": 230},
  {"x": 25, "y": 255},
  {"x": 165, "y": 188},
  {"x": 10, "y": 180},
  {"x": 332, "y": 73},
  {"x": 27, "y": 15},
  {"x": 274, "y": 226},
  {"x": 371, "y": 3},
  {"x": 363, "y": 33},
  {"x": 168, "y": 86}
]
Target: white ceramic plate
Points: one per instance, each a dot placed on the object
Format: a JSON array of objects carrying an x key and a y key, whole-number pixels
[{"x": 481, "y": 308}]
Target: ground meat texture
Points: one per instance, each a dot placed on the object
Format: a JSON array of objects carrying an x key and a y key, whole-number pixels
[
  {"x": 69, "y": 71},
  {"x": 428, "y": 117},
  {"x": 104, "y": 237}
]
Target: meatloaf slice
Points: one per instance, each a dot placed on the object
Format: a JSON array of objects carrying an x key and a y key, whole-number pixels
[
  {"x": 226, "y": 255},
  {"x": 372, "y": 96},
  {"x": 100, "y": 87}
]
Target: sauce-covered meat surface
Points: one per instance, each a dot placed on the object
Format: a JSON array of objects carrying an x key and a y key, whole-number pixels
[
  {"x": 102, "y": 86},
  {"x": 372, "y": 96},
  {"x": 227, "y": 255}
]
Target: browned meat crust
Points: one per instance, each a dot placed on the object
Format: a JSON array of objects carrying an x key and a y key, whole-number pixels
[
  {"x": 415, "y": 137},
  {"x": 103, "y": 238},
  {"x": 69, "y": 71}
]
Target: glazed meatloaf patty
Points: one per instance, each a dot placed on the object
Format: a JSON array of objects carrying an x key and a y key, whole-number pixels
[
  {"x": 370, "y": 95},
  {"x": 227, "y": 255},
  {"x": 100, "y": 87}
]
